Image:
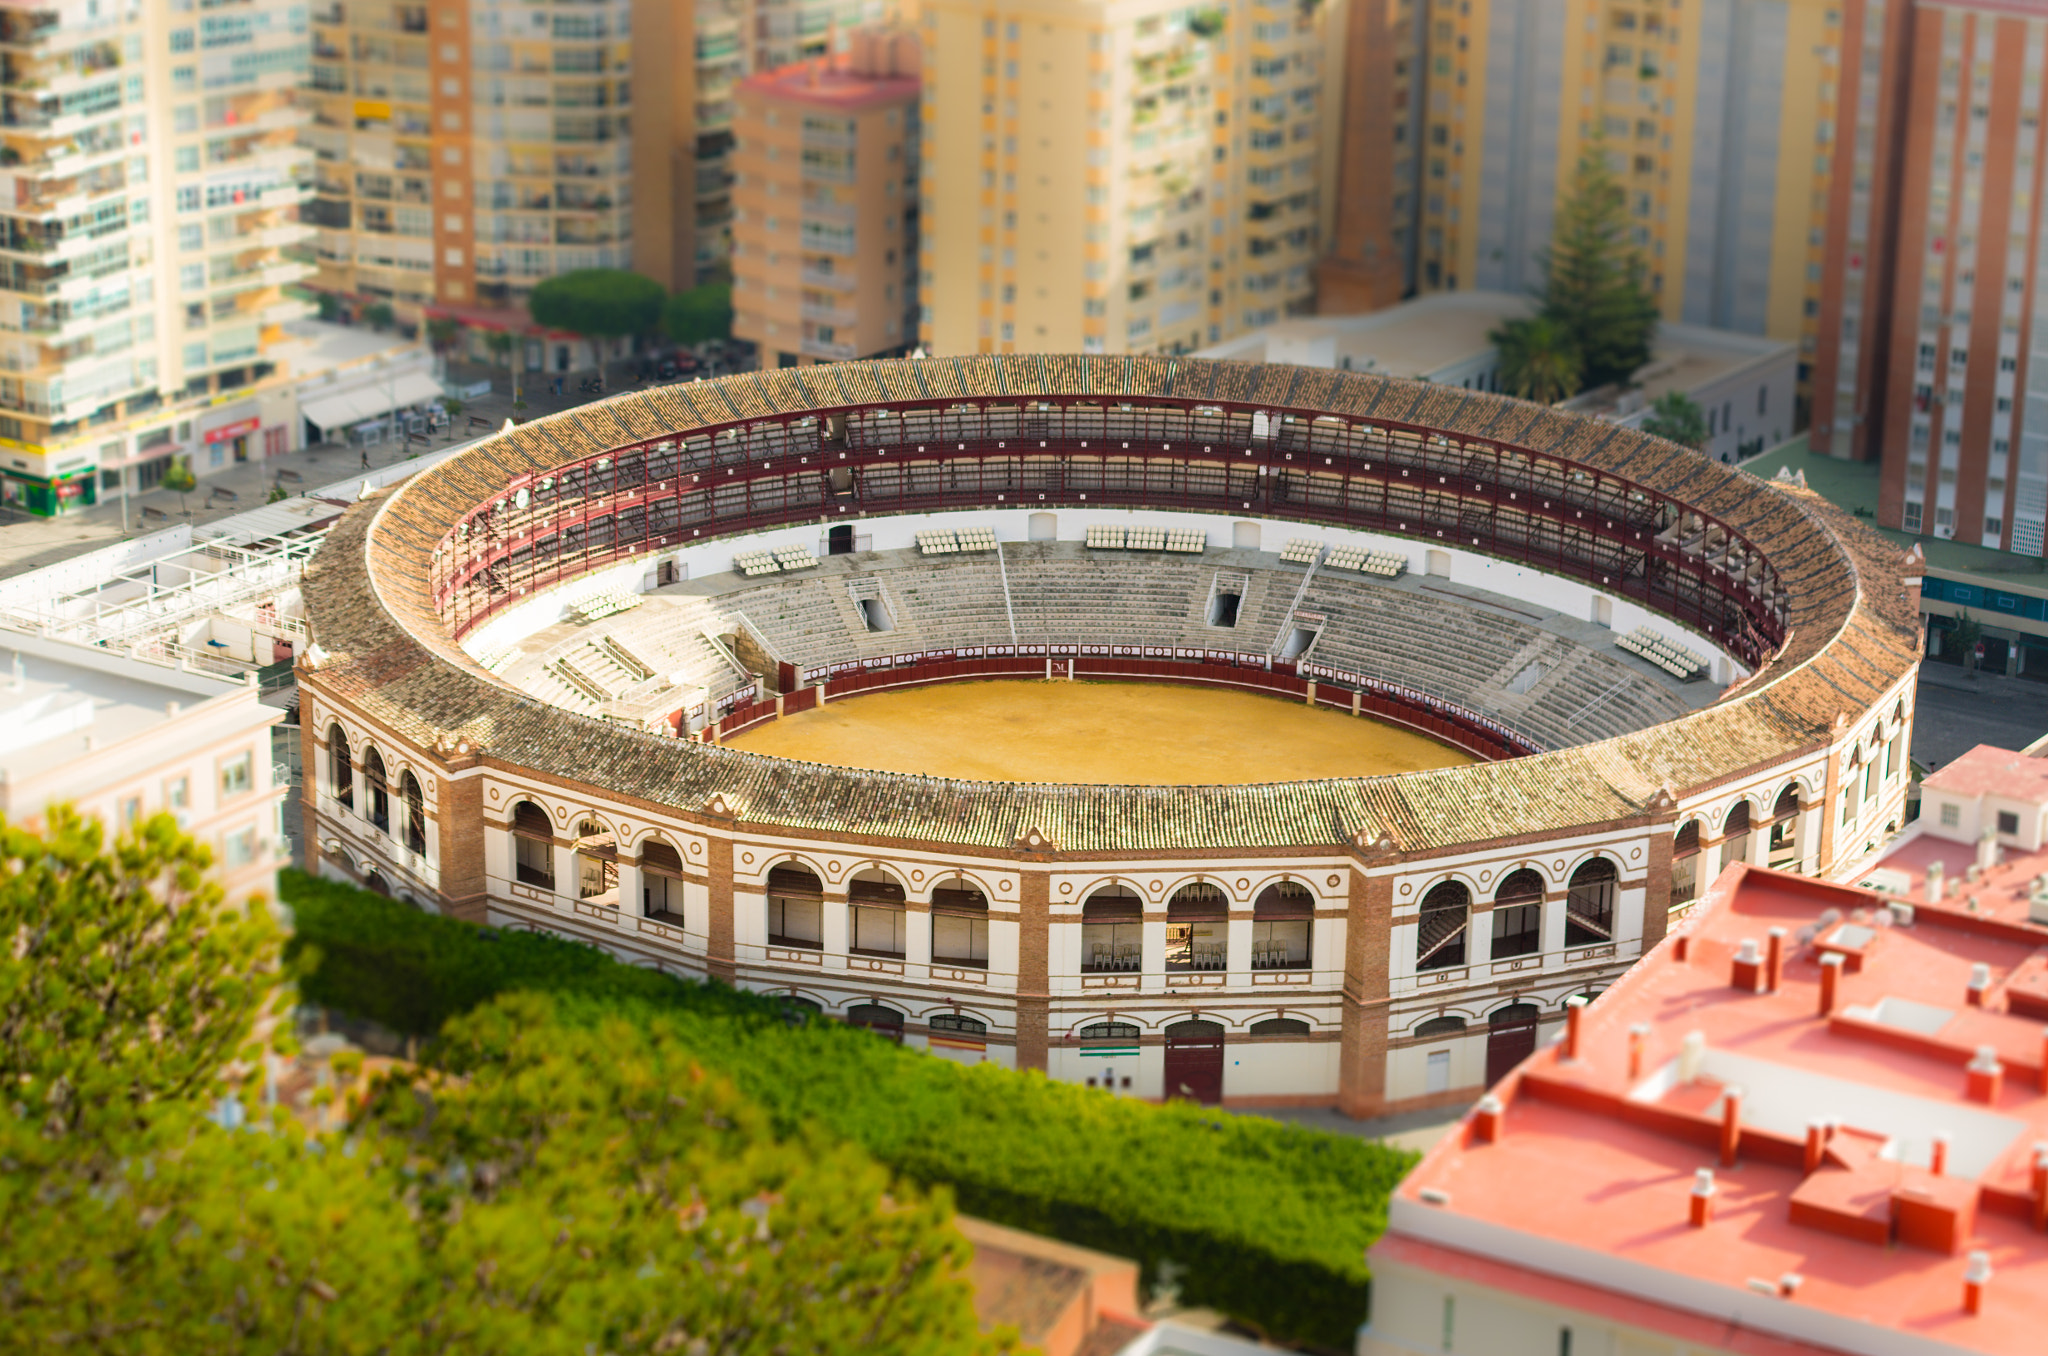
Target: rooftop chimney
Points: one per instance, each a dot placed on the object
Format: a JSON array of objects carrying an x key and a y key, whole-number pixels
[
  {"x": 1816, "y": 1144},
  {"x": 1774, "y": 958},
  {"x": 1987, "y": 850},
  {"x": 1976, "y": 1275},
  {"x": 1573, "y": 1007},
  {"x": 1980, "y": 980},
  {"x": 1746, "y": 973},
  {"x": 1934, "y": 882},
  {"x": 1701, "y": 1212},
  {"x": 1986, "y": 1076},
  {"x": 1830, "y": 978},
  {"x": 1638, "y": 1036},
  {"x": 1486, "y": 1119},
  {"x": 1731, "y": 1124},
  {"x": 1937, "y": 1154}
]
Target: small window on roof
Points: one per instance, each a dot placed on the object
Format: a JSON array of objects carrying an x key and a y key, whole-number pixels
[
  {"x": 1951, "y": 815},
  {"x": 2008, "y": 822}
]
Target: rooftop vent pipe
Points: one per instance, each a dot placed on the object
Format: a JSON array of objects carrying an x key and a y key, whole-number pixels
[{"x": 1701, "y": 1210}]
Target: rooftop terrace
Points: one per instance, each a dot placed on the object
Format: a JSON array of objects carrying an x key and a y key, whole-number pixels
[{"x": 1866, "y": 1129}]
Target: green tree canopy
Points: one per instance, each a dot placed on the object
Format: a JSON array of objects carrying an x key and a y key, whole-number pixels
[
  {"x": 698, "y": 314},
  {"x": 602, "y": 303},
  {"x": 1593, "y": 276},
  {"x": 1675, "y": 415},
  {"x": 548, "y": 1186},
  {"x": 1538, "y": 359}
]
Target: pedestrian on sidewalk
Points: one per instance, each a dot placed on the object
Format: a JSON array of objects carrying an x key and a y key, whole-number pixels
[{"x": 366, "y": 456}]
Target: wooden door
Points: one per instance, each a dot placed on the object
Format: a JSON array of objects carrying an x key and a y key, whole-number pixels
[
  {"x": 1194, "y": 1062},
  {"x": 1510, "y": 1039}
]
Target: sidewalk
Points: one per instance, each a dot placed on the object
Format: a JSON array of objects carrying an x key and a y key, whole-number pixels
[
  {"x": 28, "y": 542},
  {"x": 1415, "y": 1130}
]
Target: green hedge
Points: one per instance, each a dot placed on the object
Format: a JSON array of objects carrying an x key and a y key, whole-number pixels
[{"x": 1269, "y": 1222}]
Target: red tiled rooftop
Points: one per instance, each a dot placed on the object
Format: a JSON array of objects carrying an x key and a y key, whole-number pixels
[
  {"x": 1590, "y": 1179},
  {"x": 1989, "y": 770},
  {"x": 812, "y": 82}
]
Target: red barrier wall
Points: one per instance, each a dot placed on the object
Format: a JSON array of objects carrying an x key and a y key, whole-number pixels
[{"x": 1448, "y": 726}]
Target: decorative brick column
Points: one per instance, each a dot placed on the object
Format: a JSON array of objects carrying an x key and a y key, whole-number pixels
[
  {"x": 1034, "y": 968},
  {"x": 1657, "y": 872},
  {"x": 719, "y": 954},
  {"x": 459, "y": 825},
  {"x": 1368, "y": 932}
]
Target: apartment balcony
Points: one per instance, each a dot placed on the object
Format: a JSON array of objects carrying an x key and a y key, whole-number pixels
[
  {"x": 837, "y": 282},
  {"x": 837, "y": 352}
]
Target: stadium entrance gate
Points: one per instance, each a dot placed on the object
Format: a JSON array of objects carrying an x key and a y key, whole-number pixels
[{"x": 1194, "y": 1062}]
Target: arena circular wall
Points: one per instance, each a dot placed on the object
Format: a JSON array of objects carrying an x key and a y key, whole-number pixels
[{"x": 1368, "y": 942}]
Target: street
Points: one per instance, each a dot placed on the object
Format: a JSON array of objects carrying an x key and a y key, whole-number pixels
[{"x": 1955, "y": 712}]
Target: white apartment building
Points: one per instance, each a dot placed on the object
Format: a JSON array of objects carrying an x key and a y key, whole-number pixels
[
  {"x": 148, "y": 189},
  {"x": 1121, "y": 175},
  {"x": 123, "y": 739}
]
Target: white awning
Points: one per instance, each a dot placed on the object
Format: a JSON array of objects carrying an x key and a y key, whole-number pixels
[{"x": 348, "y": 408}]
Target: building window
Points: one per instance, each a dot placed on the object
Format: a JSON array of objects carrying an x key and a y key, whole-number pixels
[
  {"x": 796, "y": 908},
  {"x": 1440, "y": 928},
  {"x": 415, "y": 814},
  {"x": 661, "y": 880},
  {"x": 878, "y": 914},
  {"x": 1518, "y": 915},
  {"x": 533, "y": 846},
  {"x": 1685, "y": 863},
  {"x": 2008, "y": 822},
  {"x": 131, "y": 811},
  {"x": 239, "y": 847},
  {"x": 376, "y": 795},
  {"x": 597, "y": 861},
  {"x": 1281, "y": 919},
  {"x": 1589, "y": 904},
  {"x": 341, "y": 777},
  {"x": 237, "y": 775},
  {"x": 1197, "y": 920},
  {"x": 959, "y": 924},
  {"x": 1293, "y": 1028},
  {"x": 178, "y": 793},
  {"x": 957, "y": 1024},
  {"x": 1112, "y": 930}
]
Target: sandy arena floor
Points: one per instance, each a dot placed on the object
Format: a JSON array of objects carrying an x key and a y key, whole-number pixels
[{"x": 1155, "y": 734}]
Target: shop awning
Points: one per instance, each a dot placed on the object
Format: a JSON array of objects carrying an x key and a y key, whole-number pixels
[{"x": 347, "y": 408}]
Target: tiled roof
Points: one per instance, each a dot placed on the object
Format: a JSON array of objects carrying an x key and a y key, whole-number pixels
[{"x": 1852, "y": 632}]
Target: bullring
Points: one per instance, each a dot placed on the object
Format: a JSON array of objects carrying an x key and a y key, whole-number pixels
[{"x": 1372, "y": 942}]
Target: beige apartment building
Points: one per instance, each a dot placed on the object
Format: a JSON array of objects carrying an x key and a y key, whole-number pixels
[
  {"x": 149, "y": 183},
  {"x": 123, "y": 739},
  {"x": 1122, "y": 175},
  {"x": 468, "y": 149},
  {"x": 825, "y": 187}
]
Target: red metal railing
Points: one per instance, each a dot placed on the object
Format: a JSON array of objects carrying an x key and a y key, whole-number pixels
[{"x": 1446, "y": 721}]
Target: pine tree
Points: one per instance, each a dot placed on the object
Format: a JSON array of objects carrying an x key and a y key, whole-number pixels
[
  {"x": 1593, "y": 276},
  {"x": 1676, "y": 416}
]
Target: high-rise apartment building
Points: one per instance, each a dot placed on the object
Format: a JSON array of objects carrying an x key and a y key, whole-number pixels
[
  {"x": 147, "y": 196},
  {"x": 1120, "y": 175},
  {"x": 1964, "y": 422},
  {"x": 1717, "y": 115},
  {"x": 470, "y": 148},
  {"x": 825, "y": 188},
  {"x": 1371, "y": 260}
]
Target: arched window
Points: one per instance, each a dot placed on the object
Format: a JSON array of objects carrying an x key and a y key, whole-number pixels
[
  {"x": 1440, "y": 1026},
  {"x": 796, "y": 908},
  {"x": 1123, "y": 1033},
  {"x": 415, "y": 813},
  {"x": 959, "y": 924},
  {"x": 597, "y": 861},
  {"x": 874, "y": 1017},
  {"x": 1440, "y": 931},
  {"x": 1784, "y": 846},
  {"x": 1589, "y": 904},
  {"x": 1280, "y": 1026},
  {"x": 661, "y": 880},
  {"x": 1195, "y": 1029},
  {"x": 378, "y": 795},
  {"x": 1518, "y": 915},
  {"x": 1685, "y": 865},
  {"x": 1197, "y": 922},
  {"x": 1735, "y": 834},
  {"x": 533, "y": 846},
  {"x": 1112, "y": 930},
  {"x": 958, "y": 1023},
  {"x": 341, "y": 773},
  {"x": 1282, "y": 917},
  {"x": 796, "y": 1009},
  {"x": 878, "y": 914}
]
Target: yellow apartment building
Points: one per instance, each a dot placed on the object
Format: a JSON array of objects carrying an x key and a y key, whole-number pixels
[
  {"x": 1122, "y": 175},
  {"x": 825, "y": 184},
  {"x": 1718, "y": 115}
]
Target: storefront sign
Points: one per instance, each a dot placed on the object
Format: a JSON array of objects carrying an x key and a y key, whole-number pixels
[{"x": 234, "y": 430}]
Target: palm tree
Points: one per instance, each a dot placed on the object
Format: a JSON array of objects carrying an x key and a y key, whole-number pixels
[{"x": 1538, "y": 360}]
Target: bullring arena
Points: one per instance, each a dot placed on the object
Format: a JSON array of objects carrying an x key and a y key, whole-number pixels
[{"x": 1426, "y": 709}]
